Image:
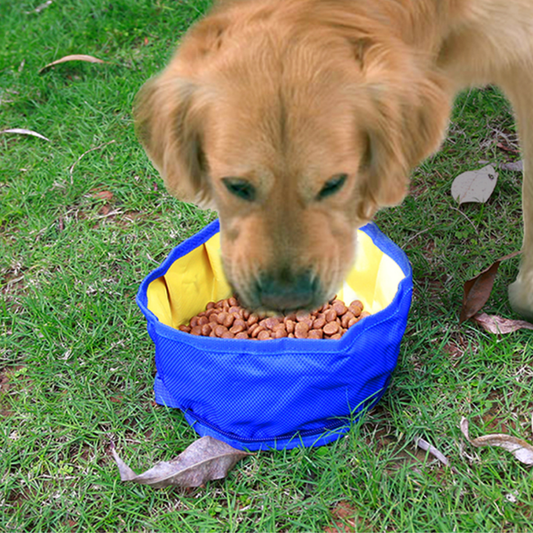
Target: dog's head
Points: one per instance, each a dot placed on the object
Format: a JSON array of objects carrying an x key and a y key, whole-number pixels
[{"x": 296, "y": 130}]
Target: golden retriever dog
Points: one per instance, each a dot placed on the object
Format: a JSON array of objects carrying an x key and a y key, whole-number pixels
[{"x": 298, "y": 119}]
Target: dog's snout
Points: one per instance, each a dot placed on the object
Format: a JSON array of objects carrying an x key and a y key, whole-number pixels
[{"x": 286, "y": 290}]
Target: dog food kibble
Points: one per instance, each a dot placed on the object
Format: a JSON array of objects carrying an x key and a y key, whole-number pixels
[{"x": 226, "y": 319}]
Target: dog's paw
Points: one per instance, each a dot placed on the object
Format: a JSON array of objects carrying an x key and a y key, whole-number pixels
[{"x": 521, "y": 294}]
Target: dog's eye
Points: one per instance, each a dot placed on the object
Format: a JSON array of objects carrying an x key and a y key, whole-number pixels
[
  {"x": 332, "y": 186},
  {"x": 240, "y": 188}
]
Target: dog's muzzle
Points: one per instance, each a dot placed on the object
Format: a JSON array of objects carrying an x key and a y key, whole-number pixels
[{"x": 285, "y": 290}]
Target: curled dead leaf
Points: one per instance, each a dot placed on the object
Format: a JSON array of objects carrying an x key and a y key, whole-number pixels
[
  {"x": 521, "y": 449},
  {"x": 22, "y": 131},
  {"x": 499, "y": 325},
  {"x": 73, "y": 57},
  {"x": 204, "y": 460},
  {"x": 477, "y": 290}
]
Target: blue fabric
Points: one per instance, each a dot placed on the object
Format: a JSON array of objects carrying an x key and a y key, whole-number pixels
[{"x": 280, "y": 393}]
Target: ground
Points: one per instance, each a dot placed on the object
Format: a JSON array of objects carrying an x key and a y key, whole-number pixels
[{"x": 84, "y": 217}]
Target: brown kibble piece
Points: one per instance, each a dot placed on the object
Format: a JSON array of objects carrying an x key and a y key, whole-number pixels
[
  {"x": 228, "y": 335},
  {"x": 238, "y": 326},
  {"x": 346, "y": 318},
  {"x": 331, "y": 328},
  {"x": 271, "y": 322},
  {"x": 315, "y": 334},
  {"x": 257, "y": 330},
  {"x": 206, "y": 330},
  {"x": 220, "y": 330},
  {"x": 252, "y": 319},
  {"x": 228, "y": 321},
  {"x": 233, "y": 302},
  {"x": 320, "y": 321},
  {"x": 289, "y": 325},
  {"x": 197, "y": 330},
  {"x": 242, "y": 335},
  {"x": 300, "y": 330},
  {"x": 279, "y": 333},
  {"x": 337, "y": 336},
  {"x": 339, "y": 307},
  {"x": 263, "y": 335},
  {"x": 331, "y": 315},
  {"x": 356, "y": 307},
  {"x": 185, "y": 329}
]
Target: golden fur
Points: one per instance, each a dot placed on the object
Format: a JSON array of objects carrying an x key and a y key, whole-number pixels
[{"x": 283, "y": 95}]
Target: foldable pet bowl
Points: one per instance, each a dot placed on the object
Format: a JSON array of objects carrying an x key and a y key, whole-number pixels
[{"x": 281, "y": 393}]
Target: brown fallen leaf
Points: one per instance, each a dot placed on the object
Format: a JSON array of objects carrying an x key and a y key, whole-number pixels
[
  {"x": 101, "y": 195},
  {"x": 22, "y": 131},
  {"x": 73, "y": 57},
  {"x": 204, "y": 460},
  {"x": 499, "y": 325},
  {"x": 522, "y": 450},
  {"x": 507, "y": 148},
  {"x": 477, "y": 290}
]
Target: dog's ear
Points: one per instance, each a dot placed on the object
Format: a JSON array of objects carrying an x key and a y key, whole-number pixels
[
  {"x": 170, "y": 115},
  {"x": 407, "y": 109}
]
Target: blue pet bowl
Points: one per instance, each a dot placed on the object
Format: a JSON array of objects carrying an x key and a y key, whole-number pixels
[{"x": 283, "y": 393}]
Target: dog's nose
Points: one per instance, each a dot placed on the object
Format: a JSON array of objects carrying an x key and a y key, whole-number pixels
[{"x": 285, "y": 290}]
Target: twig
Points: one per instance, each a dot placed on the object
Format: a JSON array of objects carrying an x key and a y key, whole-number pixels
[
  {"x": 459, "y": 211},
  {"x": 85, "y": 153},
  {"x": 40, "y": 8},
  {"x": 426, "y": 446},
  {"x": 418, "y": 234}
]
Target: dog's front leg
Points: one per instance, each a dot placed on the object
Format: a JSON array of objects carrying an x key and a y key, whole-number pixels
[{"x": 518, "y": 87}]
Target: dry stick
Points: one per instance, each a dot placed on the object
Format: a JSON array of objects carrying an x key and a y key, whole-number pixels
[
  {"x": 85, "y": 153},
  {"x": 459, "y": 211},
  {"x": 426, "y": 446}
]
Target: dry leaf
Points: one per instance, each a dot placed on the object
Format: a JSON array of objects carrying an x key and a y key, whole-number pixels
[
  {"x": 74, "y": 57},
  {"x": 514, "y": 166},
  {"x": 204, "y": 460},
  {"x": 499, "y": 325},
  {"x": 101, "y": 195},
  {"x": 344, "y": 515},
  {"x": 522, "y": 450},
  {"x": 475, "y": 186},
  {"x": 22, "y": 131},
  {"x": 477, "y": 290},
  {"x": 507, "y": 148}
]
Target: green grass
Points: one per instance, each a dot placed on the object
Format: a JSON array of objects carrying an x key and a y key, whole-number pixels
[{"x": 76, "y": 363}]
